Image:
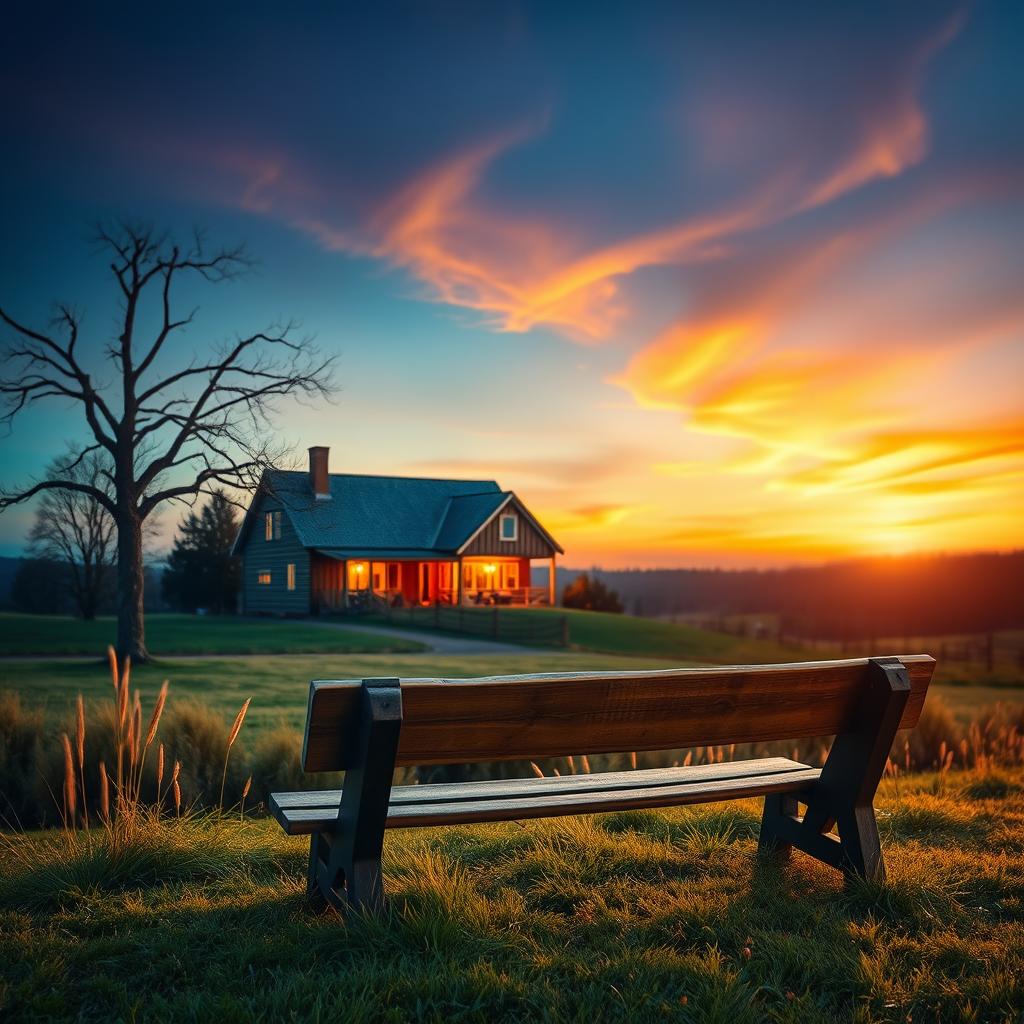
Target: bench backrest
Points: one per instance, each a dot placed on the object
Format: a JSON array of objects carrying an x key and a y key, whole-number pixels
[{"x": 496, "y": 718}]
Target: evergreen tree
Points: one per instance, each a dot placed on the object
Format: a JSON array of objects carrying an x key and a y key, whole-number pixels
[{"x": 201, "y": 573}]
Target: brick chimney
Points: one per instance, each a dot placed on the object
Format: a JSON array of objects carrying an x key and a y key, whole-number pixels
[{"x": 318, "y": 473}]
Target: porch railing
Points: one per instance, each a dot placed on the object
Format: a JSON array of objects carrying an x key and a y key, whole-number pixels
[
  {"x": 523, "y": 597},
  {"x": 363, "y": 600}
]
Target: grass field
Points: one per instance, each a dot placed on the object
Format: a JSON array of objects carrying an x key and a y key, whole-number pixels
[
  {"x": 185, "y": 634},
  {"x": 629, "y": 917},
  {"x": 627, "y": 635},
  {"x": 619, "y": 636},
  {"x": 279, "y": 684}
]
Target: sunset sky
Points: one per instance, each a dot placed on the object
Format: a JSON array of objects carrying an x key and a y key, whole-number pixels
[{"x": 740, "y": 285}]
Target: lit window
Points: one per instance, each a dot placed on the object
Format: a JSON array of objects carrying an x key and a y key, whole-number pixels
[
  {"x": 358, "y": 576},
  {"x": 277, "y": 526},
  {"x": 268, "y": 526},
  {"x": 291, "y": 576},
  {"x": 509, "y": 527},
  {"x": 263, "y": 579}
]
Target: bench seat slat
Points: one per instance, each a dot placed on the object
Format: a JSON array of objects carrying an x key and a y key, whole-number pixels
[
  {"x": 553, "y": 783},
  {"x": 512, "y": 799}
]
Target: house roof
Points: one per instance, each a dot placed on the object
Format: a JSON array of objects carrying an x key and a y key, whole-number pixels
[
  {"x": 400, "y": 516},
  {"x": 464, "y": 514}
]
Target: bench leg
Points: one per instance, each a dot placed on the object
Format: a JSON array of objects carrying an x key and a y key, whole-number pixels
[
  {"x": 364, "y": 885},
  {"x": 316, "y": 856},
  {"x": 344, "y": 864},
  {"x": 862, "y": 849},
  {"x": 776, "y": 807},
  {"x": 336, "y": 880},
  {"x": 845, "y": 792}
]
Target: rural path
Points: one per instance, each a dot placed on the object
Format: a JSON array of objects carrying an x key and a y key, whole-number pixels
[{"x": 437, "y": 643}]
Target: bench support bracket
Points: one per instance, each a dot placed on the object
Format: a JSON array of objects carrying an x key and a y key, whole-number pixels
[
  {"x": 344, "y": 863},
  {"x": 845, "y": 792}
]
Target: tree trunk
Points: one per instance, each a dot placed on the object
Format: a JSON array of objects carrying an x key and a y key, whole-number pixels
[{"x": 131, "y": 627}]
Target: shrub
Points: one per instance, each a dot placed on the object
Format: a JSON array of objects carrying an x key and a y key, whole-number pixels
[
  {"x": 275, "y": 763},
  {"x": 590, "y": 594}
]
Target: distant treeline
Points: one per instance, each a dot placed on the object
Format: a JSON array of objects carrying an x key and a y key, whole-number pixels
[
  {"x": 860, "y": 599},
  {"x": 41, "y": 586}
]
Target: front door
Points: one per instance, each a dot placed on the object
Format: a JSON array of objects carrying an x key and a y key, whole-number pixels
[{"x": 425, "y": 582}]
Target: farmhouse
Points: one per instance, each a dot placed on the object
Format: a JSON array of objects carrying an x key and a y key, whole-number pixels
[{"x": 317, "y": 541}]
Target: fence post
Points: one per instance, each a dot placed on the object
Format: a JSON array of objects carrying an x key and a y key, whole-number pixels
[
  {"x": 496, "y": 622},
  {"x": 565, "y": 630}
]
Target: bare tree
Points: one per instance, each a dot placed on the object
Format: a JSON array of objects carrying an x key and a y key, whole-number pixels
[
  {"x": 171, "y": 434},
  {"x": 73, "y": 528}
]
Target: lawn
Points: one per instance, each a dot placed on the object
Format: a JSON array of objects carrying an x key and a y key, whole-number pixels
[
  {"x": 629, "y": 917},
  {"x": 624, "y": 634},
  {"x": 186, "y": 634}
]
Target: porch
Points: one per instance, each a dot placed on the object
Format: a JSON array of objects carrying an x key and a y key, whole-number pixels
[{"x": 478, "y": 581}]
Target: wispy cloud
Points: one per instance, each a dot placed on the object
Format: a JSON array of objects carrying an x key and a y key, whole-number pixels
[
  {"x": 584, "y": 468},
  {"x": 518, "y": 272}
]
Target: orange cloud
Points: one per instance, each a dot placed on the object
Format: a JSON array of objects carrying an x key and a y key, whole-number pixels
[
  {"x": 519, "y": 271},
  {"x": 589, "y": 517},
  {"x": 923, "y": 462},
  {"x": 823, "y": 426},
  {"x": 895, "y": 134}
]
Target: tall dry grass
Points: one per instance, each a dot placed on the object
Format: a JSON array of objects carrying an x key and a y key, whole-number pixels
[
  {"x": 98, "y": 765},
  {"x": 70, "y": 784}
]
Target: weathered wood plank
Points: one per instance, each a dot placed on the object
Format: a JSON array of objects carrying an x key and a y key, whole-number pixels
[
  {"x": 512, "y": 788},
  {"x": 306, "y": 820},
  {"x": 548, "y": 715}
]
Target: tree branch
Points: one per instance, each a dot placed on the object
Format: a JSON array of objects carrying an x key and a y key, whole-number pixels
[{"x": 9, "y": 499}]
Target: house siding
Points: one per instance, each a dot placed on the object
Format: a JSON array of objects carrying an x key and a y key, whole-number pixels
[
  {"x": 529, "y": 544},
  {"x": 273, "y": 556}
]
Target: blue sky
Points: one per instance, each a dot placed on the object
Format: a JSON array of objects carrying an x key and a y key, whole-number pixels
[{"x": 706, "y": 284}]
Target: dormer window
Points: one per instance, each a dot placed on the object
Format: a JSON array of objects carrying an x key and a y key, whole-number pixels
[{"x": 508, "y": 527}]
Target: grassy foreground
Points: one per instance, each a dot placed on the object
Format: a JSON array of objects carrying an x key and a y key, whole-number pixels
[
  {"x": 186, "y": 634},
  {"x": 628, "y": 917}
]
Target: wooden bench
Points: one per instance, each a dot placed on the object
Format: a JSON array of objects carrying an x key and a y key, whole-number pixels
[{"x": 367, "y": 728}]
